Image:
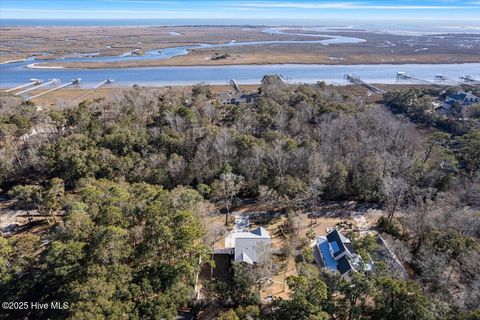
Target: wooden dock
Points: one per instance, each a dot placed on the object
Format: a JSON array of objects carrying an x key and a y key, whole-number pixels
[
  {"x": 234, "y": 84},
  {"x": 356, "y": 80}
]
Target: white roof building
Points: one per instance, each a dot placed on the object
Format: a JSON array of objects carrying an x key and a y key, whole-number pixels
[{"x": 251, "y": 246}]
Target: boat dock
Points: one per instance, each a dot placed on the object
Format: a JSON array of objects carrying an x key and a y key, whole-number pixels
[
  {"x": 404, "y": 76},
  {"x": 356, "y": 80},
  {"x": 33, "y": 82},
  {"x": 51, "y": 81},
  {"x": 464, "y": 80},
  {"x": 235, "y": 86},
  {"x": 71, "y": 83},
  {"x": 104, "y": 82}
]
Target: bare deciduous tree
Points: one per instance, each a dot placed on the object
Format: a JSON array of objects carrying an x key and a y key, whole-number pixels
[
  {"x": 314, "y": 191},
  {"x": 226, "y": 189},
  {"x": 277, "y": 158},
  {"x": 269, "y": 198},
  {"x": 393, "y": 194}
]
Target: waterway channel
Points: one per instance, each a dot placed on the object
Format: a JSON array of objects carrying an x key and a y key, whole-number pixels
[{"x": 19, "y": 72}]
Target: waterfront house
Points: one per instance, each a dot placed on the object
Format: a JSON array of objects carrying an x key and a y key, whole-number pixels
[
  {"x": 236, "y": 98},
  {"x": 461, "y": 98}
]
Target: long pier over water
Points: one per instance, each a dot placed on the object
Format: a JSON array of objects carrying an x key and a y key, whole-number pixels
[{"x": 356, "y": 80}]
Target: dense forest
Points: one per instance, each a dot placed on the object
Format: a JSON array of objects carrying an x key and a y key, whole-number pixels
[{"x": 125, "y": 186}]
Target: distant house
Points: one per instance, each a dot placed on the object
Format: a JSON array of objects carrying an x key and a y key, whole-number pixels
[
  {"x": 337, "y": 254},
  {"x": 238, "y": 97},
  {"x": 249, "y": 247},
  {"x": 460, "y": 98}
]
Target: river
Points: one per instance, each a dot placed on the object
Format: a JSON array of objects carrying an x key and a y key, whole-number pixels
[{"x": 16, "y": 73}]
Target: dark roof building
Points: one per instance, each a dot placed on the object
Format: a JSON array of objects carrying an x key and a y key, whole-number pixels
[
  {"x": 238, "y": 97},
  {"x": 461, "y": 98},
  {"x": 337, "y": 253}
]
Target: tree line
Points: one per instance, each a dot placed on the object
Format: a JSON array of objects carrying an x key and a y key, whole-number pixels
[{"x": 124, "y": 185}]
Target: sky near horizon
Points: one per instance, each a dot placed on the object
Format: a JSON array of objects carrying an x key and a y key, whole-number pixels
[{"x": 241, "y": 9}]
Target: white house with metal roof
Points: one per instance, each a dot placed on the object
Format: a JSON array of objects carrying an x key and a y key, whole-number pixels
[{"x": 249, "y": 246}]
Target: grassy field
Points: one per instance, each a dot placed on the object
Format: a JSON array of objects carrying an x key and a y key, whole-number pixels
[{"x": 53, "y": 42}]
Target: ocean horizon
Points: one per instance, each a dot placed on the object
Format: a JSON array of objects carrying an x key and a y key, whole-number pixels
[
  {"x": 394, "y": 24},
  {"x": 150, "y": 22}
]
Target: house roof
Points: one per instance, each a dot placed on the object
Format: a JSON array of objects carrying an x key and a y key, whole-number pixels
[
  {"x": 344, "y": 265},
  {"x": 462, "y": 96},
  {"x": 261, "y": 232},
  {"x": 238, "y": 96},
  {"x": 253, "y": 234},
  {"x": 331, "y": 247},
  {"x": 327, "y": 258},
  {"x": 250, "y": 95},
  {"x": 245, "y": 258},
  {"x": 251, "y": 246},
  {"x": 338, "y": 242},
  {"x": 449, "y": 103}
]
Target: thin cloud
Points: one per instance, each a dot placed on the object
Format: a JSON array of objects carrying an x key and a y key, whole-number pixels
[
  {"x": 65, "y": 11},
  {"x": 346, "y": 5}
]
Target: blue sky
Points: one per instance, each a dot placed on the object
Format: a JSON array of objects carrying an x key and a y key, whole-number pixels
[{"x": 241, "y": 9}]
